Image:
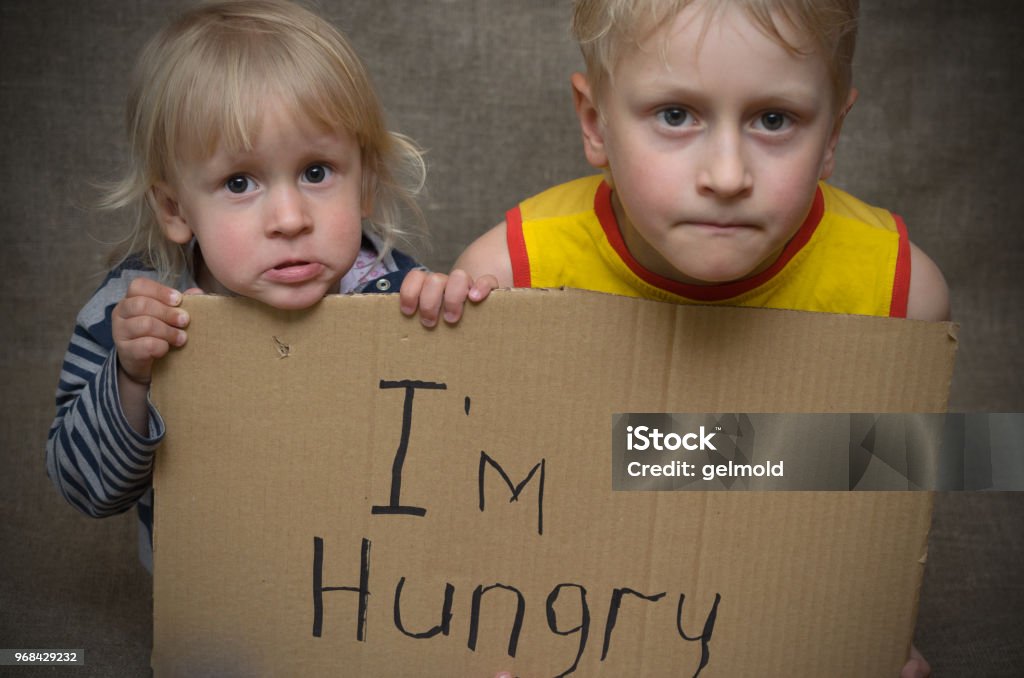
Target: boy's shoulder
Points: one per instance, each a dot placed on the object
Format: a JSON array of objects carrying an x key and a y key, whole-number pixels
[
  {"x": 840, "y": 204},
  {"x": 564, "y": 199}
]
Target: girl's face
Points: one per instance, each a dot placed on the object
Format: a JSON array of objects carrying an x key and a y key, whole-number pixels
[{"x": 281, "y": 222}]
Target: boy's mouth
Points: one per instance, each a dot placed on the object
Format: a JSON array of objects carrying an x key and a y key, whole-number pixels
[{"x": 720, "y": 226}]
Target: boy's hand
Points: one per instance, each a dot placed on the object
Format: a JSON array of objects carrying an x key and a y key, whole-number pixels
[
  {"x": 916, "y": 666},
  {"x": 146, "y": 323},
  {"x": 430, "y": 292}
]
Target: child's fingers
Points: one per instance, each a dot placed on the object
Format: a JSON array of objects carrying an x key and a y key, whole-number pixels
[
  {"x": 144, "y": 328},
  {"x": 142, "y": 339},
  {"x": 144, "y": 350},
  {"x": 136, "y": 357},
  {"x": 146, "y": 287},
  {"x": 409, "y": 294},
  {"x": 431, "y": 297},
  {"x": 141, "y": 326},
  {"x": 144, "y": 315},
  {"x": 455, "y": 293},
  {"x": 482, "y": 288}
]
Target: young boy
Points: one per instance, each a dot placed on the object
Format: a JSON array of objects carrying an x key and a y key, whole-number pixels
[{"x": 714, "y": 124}]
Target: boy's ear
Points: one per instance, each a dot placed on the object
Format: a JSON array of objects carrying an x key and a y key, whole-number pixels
[
  {"x": 164, "y": 202},
  {"x": 829, "y": 160},
  {"x": 590, "y": 121}
]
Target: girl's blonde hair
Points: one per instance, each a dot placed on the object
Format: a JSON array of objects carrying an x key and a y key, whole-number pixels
[
  {"x": 606, "y": 29},
  {"x": 202, "y": 82}
]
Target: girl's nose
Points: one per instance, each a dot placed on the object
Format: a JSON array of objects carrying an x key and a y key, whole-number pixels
[{"x": 288, "y": 214}]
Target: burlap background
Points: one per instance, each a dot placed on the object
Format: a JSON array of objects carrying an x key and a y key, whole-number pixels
[{"x": 483, "y": 85}]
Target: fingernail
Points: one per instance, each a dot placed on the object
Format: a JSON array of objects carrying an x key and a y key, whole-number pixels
[
  {"x": 175, "y": 298},
  {"x": 427, "y": 322},
  {"x": 180, "y": 339},
  {"x": 450, "y": 316},
  {"x": 182, "y": 319}
]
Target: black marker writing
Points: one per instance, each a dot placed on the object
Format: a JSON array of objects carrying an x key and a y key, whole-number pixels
[
  {"x": 486, "y": 460},
  {"x": 395, "y": 505}
]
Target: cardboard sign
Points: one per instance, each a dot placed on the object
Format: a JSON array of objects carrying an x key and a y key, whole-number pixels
[{"x": 342, "y": 492}]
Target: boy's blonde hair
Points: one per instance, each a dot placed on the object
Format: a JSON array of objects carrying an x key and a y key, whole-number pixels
[
  {"x": 607, "y": 29},
  {"x": 203, "y": 81}
]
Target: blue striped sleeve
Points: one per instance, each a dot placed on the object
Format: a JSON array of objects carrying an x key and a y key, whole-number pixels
[{"x": 98, "y": 463}]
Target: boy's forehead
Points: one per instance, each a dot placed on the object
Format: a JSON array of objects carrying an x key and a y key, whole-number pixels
[
  {"x": 824, "y": 29},
  {"x": 693, "y": 23},
  {"x": 701, "y": 35}
]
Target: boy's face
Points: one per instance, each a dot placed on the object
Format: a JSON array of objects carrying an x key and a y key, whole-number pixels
[
  {"x": 714, "y": 143},
  {"x": 281, "y": 222}
]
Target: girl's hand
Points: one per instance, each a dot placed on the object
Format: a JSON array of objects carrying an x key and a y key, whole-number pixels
[
  {"x": 430, "y": 292},
  {"x": 146, "y": 324}
]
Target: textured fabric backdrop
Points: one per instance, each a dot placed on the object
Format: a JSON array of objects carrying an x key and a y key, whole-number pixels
[{"x": 483, "y": 85}]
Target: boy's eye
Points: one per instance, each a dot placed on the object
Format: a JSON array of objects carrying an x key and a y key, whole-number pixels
[
  {"x": 773, "y": 121},
  {"x": 675, "y": 117},
  {"x": 314, "y": 174},
  {"x": 238, "y": 183}
]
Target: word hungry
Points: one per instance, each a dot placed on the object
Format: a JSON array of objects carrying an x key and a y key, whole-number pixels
[{"x": 343, "y": 591}]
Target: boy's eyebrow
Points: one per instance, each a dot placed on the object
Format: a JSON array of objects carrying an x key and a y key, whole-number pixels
[{"x": 662, "y": 88}]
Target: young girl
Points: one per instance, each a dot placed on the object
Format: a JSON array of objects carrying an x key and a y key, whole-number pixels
[{"x": 260, "y": 166}]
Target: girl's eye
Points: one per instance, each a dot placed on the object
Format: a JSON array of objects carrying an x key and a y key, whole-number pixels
[
  {"x": 314, "y": 174},
  {"x": 238, "y": 183},
  {"x": 773, "y": 121},
  {"x": 675, "y": 117}
]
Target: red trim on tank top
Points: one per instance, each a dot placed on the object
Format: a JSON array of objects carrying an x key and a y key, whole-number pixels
[
  {"x": 517, "y": 253},
  {"x": 901, "y": 279},
  {"x": 606, "y": 215}
]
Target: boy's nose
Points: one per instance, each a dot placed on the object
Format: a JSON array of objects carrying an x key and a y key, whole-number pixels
[
  {"x": 724, "y": 171},
  {"x": 288, "y": 214}
]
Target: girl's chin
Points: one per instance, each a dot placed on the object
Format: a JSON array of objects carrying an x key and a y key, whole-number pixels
[{"x": 293, "y": 298}]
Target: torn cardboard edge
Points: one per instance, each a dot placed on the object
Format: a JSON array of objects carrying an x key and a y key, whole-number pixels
[{"x": 390, "y": 498}]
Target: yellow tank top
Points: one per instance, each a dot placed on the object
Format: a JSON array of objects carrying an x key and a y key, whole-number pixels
[{"x": 847, "y": 256}]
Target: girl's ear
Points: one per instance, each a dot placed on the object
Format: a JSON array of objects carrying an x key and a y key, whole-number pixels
[
  {"x": 164, "y": 202},
  {"x": 828, "y": 162},
  {"x": 590, "y": 121}
]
